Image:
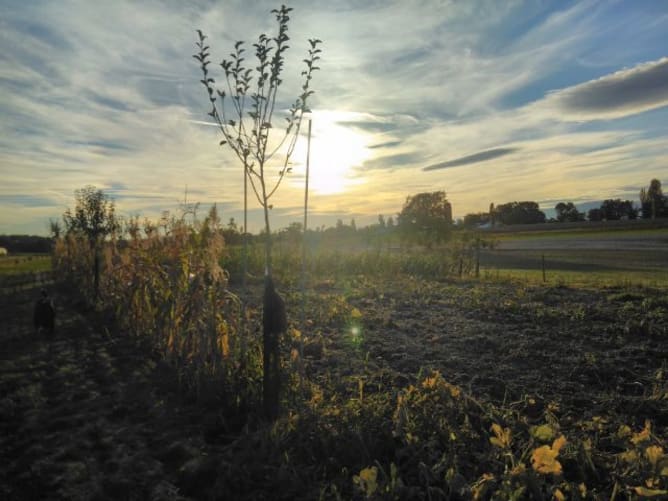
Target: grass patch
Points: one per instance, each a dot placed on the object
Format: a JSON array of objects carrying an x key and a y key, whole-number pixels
[
  {"x": 579, "y": 233},
  {"x": 25, "y": 263}
]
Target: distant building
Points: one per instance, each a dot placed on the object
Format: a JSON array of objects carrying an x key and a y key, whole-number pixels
[{"x": 448, "y": 212}]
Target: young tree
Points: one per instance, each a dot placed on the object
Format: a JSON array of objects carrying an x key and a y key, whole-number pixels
[
  {"x": 244, "y": 112},
  {"x": 94, "y": 218}
]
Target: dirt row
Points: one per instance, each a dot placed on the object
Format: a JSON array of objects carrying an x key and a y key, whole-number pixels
[
  {"x": 85, "y": 415},
  {"x": 591, "y": 352}
]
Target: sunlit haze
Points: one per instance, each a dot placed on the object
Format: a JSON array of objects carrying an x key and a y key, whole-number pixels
[
  {"x": 488, "y": 101},
  {"x": 336, "y": 151}
]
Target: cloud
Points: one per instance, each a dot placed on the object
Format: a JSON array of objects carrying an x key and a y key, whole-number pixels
[
  {"x": 108, "y": 94},
  {"x": 481, "y": 156},
  {"x": 393, "y": 161},
  {"x": 626, "y": 92}
]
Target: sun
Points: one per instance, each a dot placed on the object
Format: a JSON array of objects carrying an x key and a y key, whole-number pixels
[{"x": 336, "y": 150}]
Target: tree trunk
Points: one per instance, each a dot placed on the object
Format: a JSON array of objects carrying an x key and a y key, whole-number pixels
[
  {"x": 96, "y": 269},
  {"x": 274, "y": 324},
  {"x": 477, "y": 257}
]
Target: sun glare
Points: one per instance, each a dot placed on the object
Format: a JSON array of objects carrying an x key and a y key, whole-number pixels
[{"x": 335, "y": 150}]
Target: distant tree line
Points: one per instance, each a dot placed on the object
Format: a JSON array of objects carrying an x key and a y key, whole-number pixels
[
  {"x": 29, "y": 244},
  {"x": 425, "y": 218},
  {"x": 653, "y": 204}
]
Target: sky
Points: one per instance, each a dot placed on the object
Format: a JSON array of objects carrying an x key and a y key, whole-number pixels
[{"x": 489, "y": 101}]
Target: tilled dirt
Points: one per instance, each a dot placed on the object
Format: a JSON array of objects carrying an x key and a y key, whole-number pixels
[
  {"x": 589, "y": 351},
  {"x": 86, "y": 414}
]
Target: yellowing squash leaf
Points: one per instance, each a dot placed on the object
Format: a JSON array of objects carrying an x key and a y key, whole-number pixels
[
  {"x": 583, "y": 490},
  {"x": 454, "y": 390},
  {"x": 367, "y": 480},
  {"x": 502, "y": 438},
  {"x": 518, "y": 469},
  {"x": 629, "y": 456},
  {"x": 643, "y": 435},
  {"x": 430, "y": 382},
  {"x": 649, "y": 493},
  {"x": 544, "y": 458},
  {"x": 559, "y": 443},
  {"x": 544, "y": 432},
  {"x": 624, "y": 431},
  {"x": 654, "y": 453}
]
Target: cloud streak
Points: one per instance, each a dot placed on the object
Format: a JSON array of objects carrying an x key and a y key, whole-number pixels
[
  {"x": 626, "y": 92},
  {"x": 481, "y": 156}
]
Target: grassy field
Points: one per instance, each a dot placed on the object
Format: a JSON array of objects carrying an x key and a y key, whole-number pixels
[
  {"x": 24, "y": 263},
  {"x": 620, "y": 256}
]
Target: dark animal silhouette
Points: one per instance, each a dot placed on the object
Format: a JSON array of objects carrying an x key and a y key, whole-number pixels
[
  {"x": 274, "y": 322},
  {"x": 44, "y": 315}
]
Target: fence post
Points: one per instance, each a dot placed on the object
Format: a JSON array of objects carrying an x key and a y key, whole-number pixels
[{"x": 477, "y": 257}]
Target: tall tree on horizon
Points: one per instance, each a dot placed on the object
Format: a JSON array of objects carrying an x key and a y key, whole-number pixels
[
  {"x": 426, "y": 218},
  {"x": 653, "y": 203}
]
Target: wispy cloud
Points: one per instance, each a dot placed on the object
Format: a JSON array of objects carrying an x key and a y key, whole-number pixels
[{"x": 108, "y": 94}]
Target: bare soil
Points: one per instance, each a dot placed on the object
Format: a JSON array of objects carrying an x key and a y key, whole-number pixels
[{"x": 88, "y": 414}]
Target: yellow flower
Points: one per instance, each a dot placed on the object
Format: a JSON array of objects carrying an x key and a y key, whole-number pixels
[
  {"x": 544, "y": 458},
  {"x": 559, "y": 496},
  {"x": 355, "y": 314}
]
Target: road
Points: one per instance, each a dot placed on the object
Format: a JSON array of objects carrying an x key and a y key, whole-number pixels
[{"x": 622, "y": 242}]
